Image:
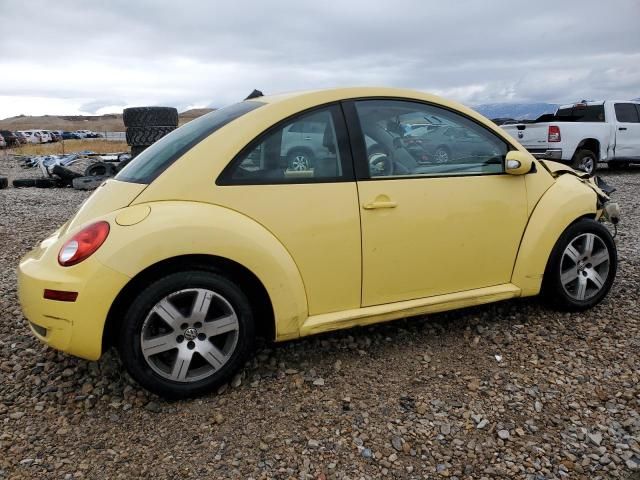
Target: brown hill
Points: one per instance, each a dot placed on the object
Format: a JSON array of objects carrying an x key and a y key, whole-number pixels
[{"x": 111, "y": 122}]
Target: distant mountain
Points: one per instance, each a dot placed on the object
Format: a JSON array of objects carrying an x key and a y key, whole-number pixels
[{"x": 518, "y": 111}]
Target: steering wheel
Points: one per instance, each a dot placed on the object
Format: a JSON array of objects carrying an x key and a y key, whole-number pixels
[{"x": 380, "y": 163}]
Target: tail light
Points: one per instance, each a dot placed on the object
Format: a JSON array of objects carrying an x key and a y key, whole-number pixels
[
  {"x": 83, "y": 244},
  {"x": 554, "y": 133}
]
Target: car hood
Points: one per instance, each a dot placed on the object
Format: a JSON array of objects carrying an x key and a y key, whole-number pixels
[{"x": 110, "y": 196}]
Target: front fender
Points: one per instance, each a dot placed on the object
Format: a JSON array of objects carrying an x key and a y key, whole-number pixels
[
  {"x": 564, "y": 202},
  {"x": 176, "y": 228}
]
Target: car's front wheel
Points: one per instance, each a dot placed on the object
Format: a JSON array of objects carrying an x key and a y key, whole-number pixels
[
  {"x": 299, "y": 159},
  {"x": 186, "y": 334},
  {"x": 582, "y": 266}
]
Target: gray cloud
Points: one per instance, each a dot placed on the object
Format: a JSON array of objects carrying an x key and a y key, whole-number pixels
[{"x": 212, "y": 53}]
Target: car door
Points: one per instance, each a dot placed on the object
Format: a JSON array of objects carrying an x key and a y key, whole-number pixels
[
  {"x": 313, "y": 212},
  {"x": 627, "y": 131},
  {"x": 432, "y": 229}
]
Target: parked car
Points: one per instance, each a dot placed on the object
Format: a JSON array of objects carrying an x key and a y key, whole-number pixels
[
  {"x": 11, "y": 139},
  {"x": 585, "y": 133},
  {"x": 357, "y": 238},
  {"x": 84, "y": 133},
  {"x": 32, "y": 136},
  {"x": 93, "y": 135},
  {"x": 3, "y": 142},
  {"x": 54, "y": 137},
  {"x": 45, "y": 136},
  {"x": 71, "y": 136},
  {"x": 444, "y": 144},
  {"x": 302, "y": 143},
  {"x": 21, "y": 137}
]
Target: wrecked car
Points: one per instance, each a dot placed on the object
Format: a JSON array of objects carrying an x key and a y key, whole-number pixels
[{"x": 210, "y": 238}]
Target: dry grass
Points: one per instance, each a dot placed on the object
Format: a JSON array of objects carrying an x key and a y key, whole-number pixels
[
  {"x": 70, "y": 146},
  {"x": 98, "y": 123}
]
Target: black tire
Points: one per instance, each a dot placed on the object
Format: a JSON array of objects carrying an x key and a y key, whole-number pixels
[
  {"x": 137, "y": 150},
  {"x": 100, "y": 169},
  {"x": 585, "y": 161},
  {"x": 4, "y": 182},
  {"x": 130, "y": 335},
  {"x": 150, "y": 117},
  {"x": 553, "y": 290},
  {"x": 47, "y": 183},
  {"x": 145, "y": 136},
  {"x": 66, "y": 175},
  {"x": 24, "y": 182},
  {"x": 300, "y": 159}
]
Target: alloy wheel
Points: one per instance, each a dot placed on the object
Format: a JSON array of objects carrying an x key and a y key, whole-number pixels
[
  {"x": 584, "y": 266},
  {"x": 300, "y": 162},
  {"x": 441, "y": 156},
  {"x": 189, "y": 335},
  {"x": 587, "y": 164}
]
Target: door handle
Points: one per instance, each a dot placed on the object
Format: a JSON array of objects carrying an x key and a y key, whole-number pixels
[
  {"x": 622, "y": 128},
  {"x": 307, "y": 138},
  {"x": 382, "y": 204}
]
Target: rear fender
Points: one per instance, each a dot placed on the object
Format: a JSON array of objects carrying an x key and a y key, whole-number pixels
[
  {"x": 567, "y": 200},
  {"x": 177, "y": 228}
]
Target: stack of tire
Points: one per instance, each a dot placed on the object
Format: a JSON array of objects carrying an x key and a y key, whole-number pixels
[{"x": 147, "y": 125}]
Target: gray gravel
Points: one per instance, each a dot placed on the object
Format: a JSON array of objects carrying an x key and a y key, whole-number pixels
[{"x": 417, "y": 398}]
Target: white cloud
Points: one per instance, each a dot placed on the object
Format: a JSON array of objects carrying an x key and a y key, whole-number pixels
[{"x": 122, "y": 53}]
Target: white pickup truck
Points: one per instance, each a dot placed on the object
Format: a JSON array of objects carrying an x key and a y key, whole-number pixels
[{"x": 584, "y": 134}]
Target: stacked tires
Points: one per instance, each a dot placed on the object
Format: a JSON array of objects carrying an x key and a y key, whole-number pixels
[{"x": 147, "y": 125}]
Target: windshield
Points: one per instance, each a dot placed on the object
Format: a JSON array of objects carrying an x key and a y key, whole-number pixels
[{"x": 158, "y": 157}]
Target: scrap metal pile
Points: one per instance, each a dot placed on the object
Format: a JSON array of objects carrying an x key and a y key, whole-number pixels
[
  {"x": 87, "y": 170},
  {"x": 94, "y": 169}
]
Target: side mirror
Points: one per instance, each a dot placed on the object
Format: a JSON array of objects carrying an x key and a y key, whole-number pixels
[{"x": 517, "y": 163}]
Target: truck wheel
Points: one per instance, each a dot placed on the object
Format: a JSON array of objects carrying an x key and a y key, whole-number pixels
[
  {"x": 145, "y": 136},
  {"x": 186, "y": 334},
  {"x": 585, "y": 160},
  {"x": 150, "y": 117},
  {"x": 581, "y": 268}
]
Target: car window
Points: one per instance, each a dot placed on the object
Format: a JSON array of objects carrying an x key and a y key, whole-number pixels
[
  {"x": 626, "y": 113},
  {"x": 278, "y": 156},
  {"x": 452, "y": 145},
  {"x": 580, "y": 113}
]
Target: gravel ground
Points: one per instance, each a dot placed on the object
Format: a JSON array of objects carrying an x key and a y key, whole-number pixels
[{"x": 510, "y": 390}]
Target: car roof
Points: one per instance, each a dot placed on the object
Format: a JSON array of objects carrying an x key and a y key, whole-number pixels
[{"x": 311, "y": 98}]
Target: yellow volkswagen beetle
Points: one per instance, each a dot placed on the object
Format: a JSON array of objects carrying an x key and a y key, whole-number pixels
[{"x": 301, "y": 213}]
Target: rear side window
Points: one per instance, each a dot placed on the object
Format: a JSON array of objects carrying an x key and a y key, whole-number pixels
[
  {"x": 157, "y": 158},
  {"x": 319, "y": 155},
  {"x": 626, "y": 113},
  {"x": 581, "y": 113}
]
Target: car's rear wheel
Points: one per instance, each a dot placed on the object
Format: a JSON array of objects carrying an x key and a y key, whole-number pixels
[
  {"x": 582, "y": 266},
  {"x": 186, "y": 334}
]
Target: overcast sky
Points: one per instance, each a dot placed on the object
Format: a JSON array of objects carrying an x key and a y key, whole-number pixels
[{"x": 68, "y": 57}]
